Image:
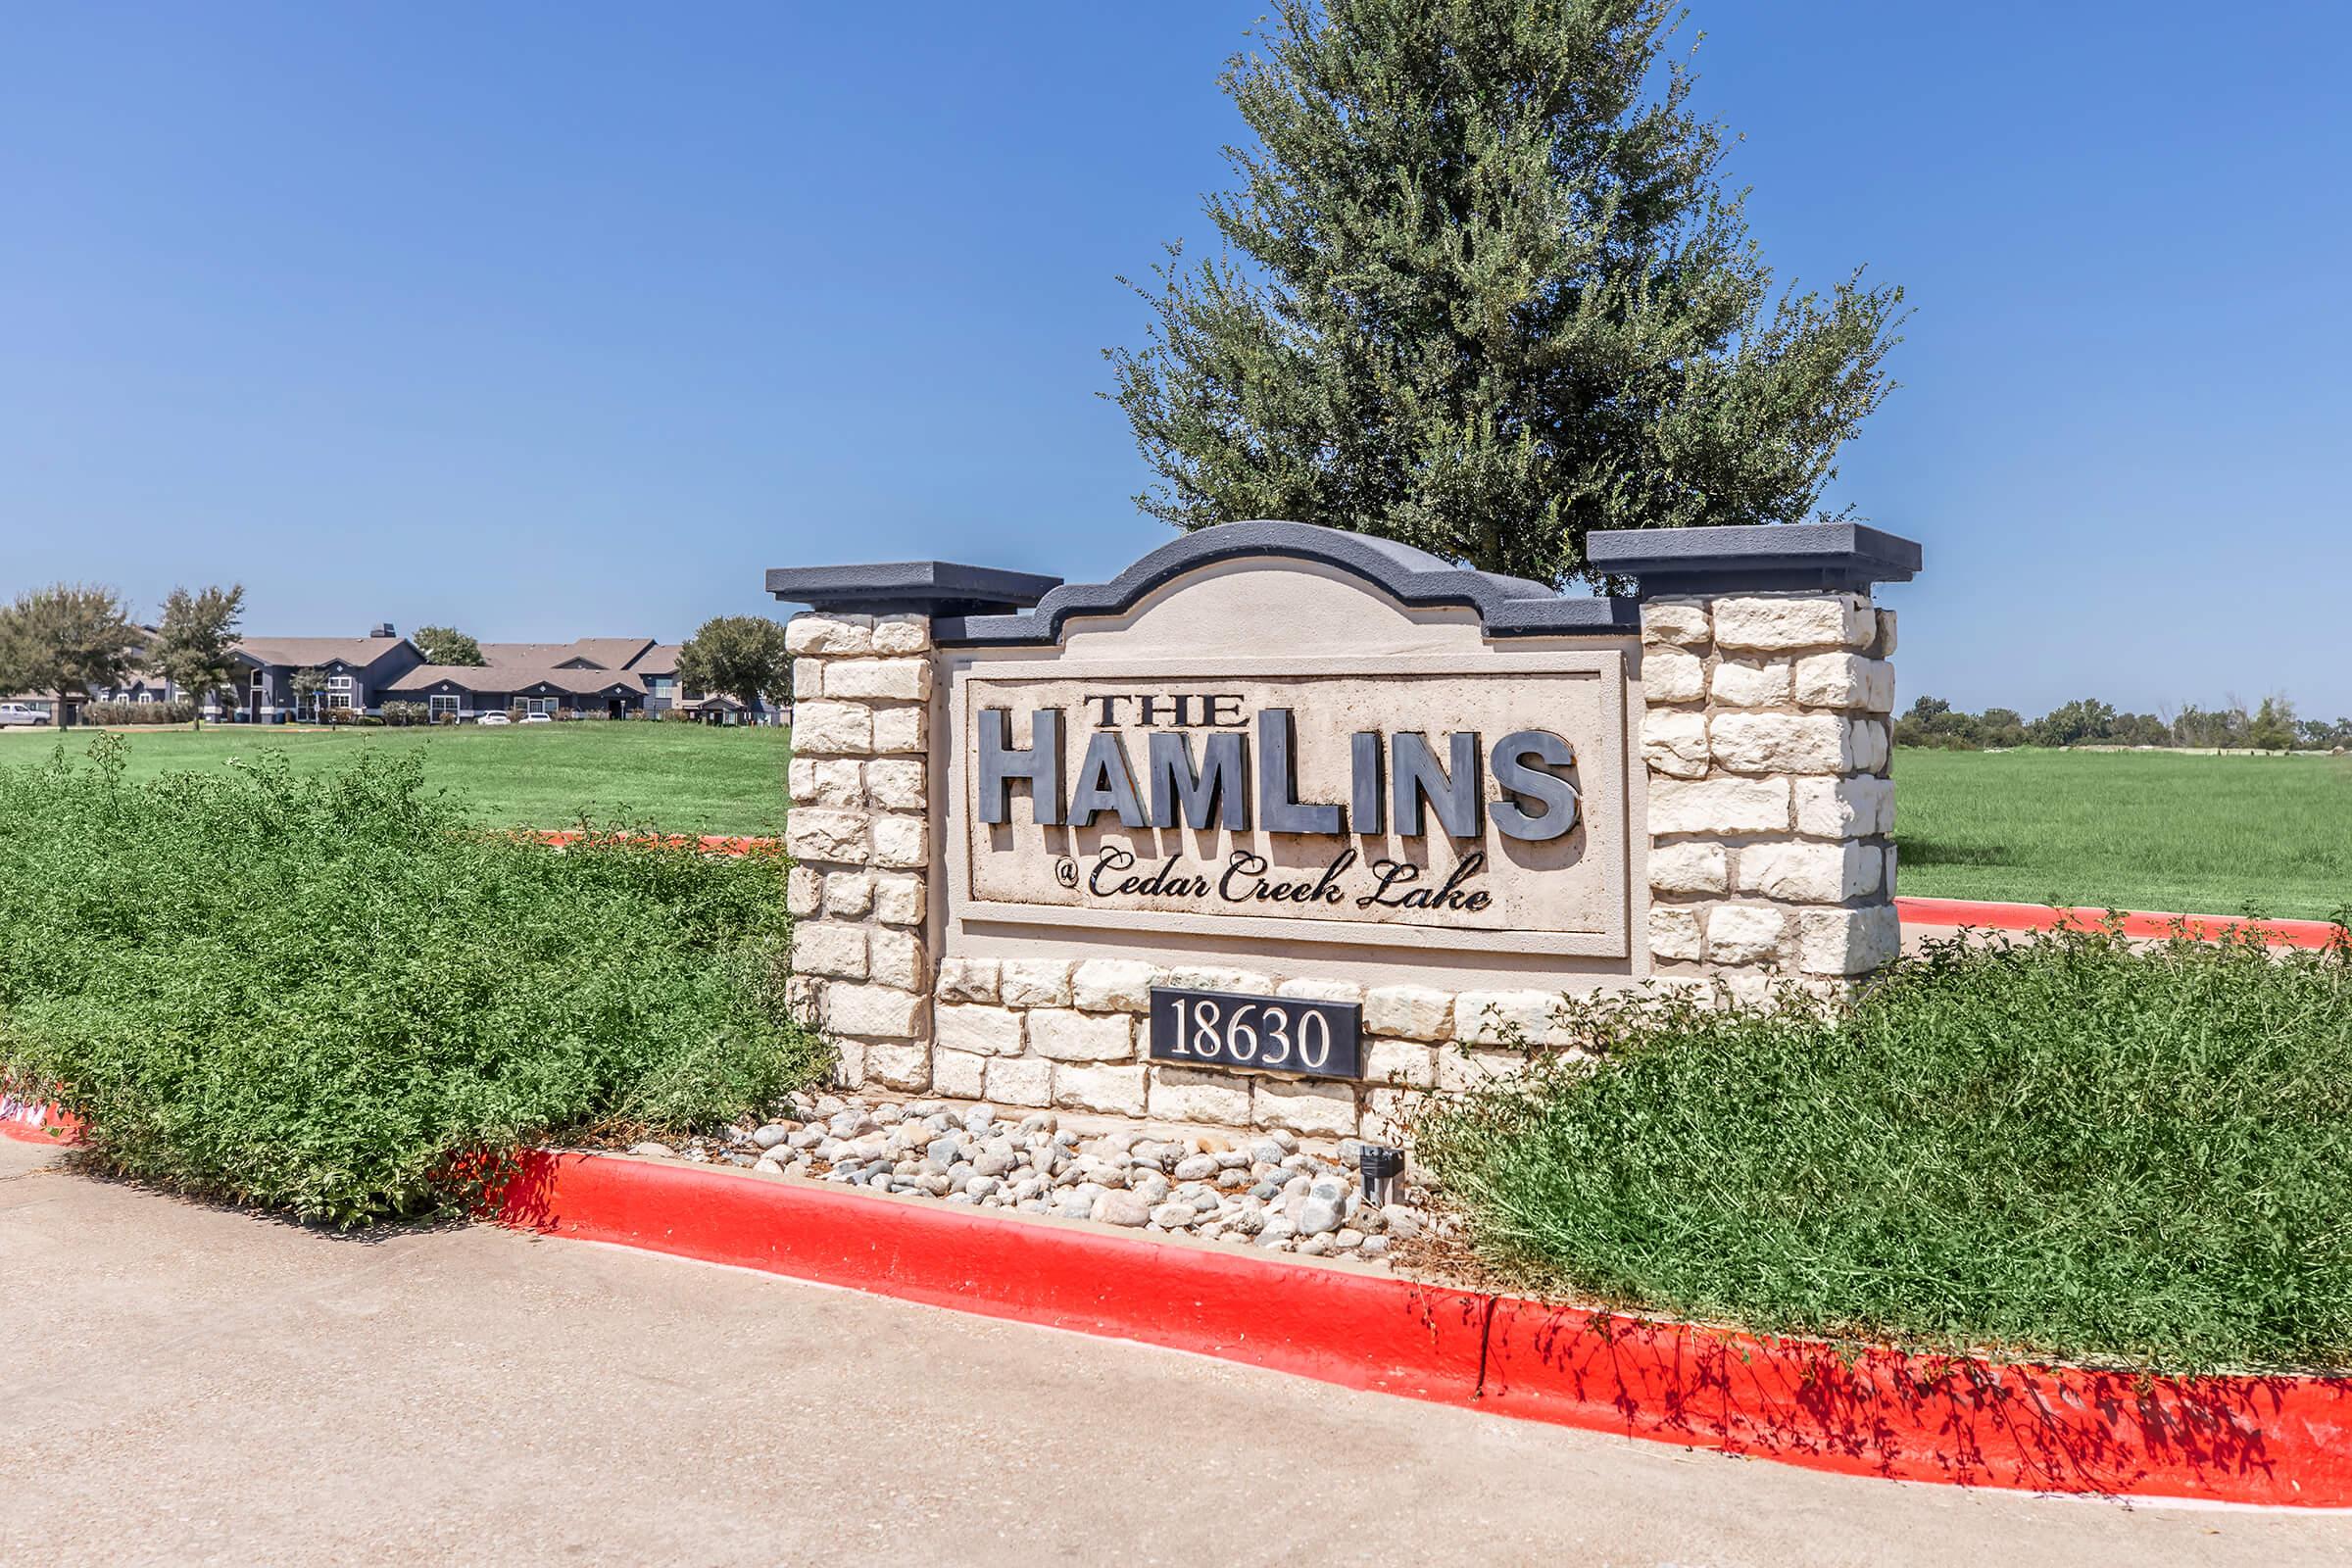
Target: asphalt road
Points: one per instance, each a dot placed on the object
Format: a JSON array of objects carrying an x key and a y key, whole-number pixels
[{"x": 190, "y": 1385}]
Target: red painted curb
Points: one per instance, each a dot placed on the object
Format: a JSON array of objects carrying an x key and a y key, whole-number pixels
[
  {"x": 2262, "y": 1440},
  {"x": 38, "y": 1124},
  {"x": 1987, "y": 917}
]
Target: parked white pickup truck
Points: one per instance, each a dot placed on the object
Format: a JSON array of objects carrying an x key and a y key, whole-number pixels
[{"x": 15, "y": 713}]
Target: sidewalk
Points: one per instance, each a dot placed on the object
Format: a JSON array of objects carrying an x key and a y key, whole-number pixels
[{"x": 192, "y": 1385}]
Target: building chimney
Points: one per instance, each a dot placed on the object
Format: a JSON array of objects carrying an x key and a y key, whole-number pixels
[{"x": 383, "y": 630}]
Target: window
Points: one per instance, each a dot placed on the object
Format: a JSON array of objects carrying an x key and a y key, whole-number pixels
[
  {"x": 441, "y": 704},
  {"x": 338, "y": 692},
  {"x": 539, "y": 705}
]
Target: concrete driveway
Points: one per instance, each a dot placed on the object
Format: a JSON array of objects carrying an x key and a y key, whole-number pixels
[{"x": 190, "y": 1384}]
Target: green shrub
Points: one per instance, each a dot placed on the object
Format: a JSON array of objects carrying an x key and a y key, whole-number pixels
[
  {"x": 316, "y": 994},
  {"x": 2066, "y": 1147},
  {"x": 179, "y": 711}
]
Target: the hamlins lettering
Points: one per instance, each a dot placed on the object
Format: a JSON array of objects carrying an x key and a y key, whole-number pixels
[{"x": 1407, "y": 782}]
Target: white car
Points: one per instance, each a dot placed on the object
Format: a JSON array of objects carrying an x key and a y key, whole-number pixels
[
  {"x": 18, "y": 713},
  {"x": 538, "y": 719},
  {"x": 494, "y": 718}
]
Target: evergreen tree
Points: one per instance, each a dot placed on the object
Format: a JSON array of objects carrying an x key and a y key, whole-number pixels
[
  {"x": 446, "y": 644},
  {"x": 70, "y": 639},
  {"x": 196, "y": 644},
  {"x": 1483, "y": 292}
]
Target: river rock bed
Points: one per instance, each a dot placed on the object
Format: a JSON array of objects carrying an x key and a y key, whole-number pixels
[{"x": 1257, "y": 1190}]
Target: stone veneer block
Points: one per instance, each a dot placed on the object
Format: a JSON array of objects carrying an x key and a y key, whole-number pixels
[
  {"x": 1844, "y": 680},
  {"x": 899, "y": 680},
  {"x": 1342, "y": 992},
  {"x": 1198, "y": 977},
  {"x": 1109, "y": 1091},
  {"x": 1062, "y": 1034},
  {"x": 1742, "y": 934},
  {"x": 1410, "y": 1012},
  {"x": 1775, "y": 624},
  {"x": 838, "y": 837},
  {"x": 902, "y": 634},
  {"x": 902, "y": 842},
  {"x": 1020, "y": 1081},
  {"x": 803, "y": 892},
  {"x": 958, "y": 1074},
  {"x": 1182, "y": 1094},
  {"x": 1504, "y": 1018},
  {"x": 1404, "y": 1063},
  {"x": 899, "y": 899},
  {"x": 1782, "y": 742},
  {"x": 1674, "y": 743},
  {"x": 822, "y": 947},
  {"x": 849, "y": 895},
  {"x": 1689, "y": 868},
  {"x": 829, "y": 634},
  {"x": 807, "y": 679},
  {"x": 1866, "y": 742},
  {"x": 831, "y": 782},
  {"x": 1847, "y": 941},
  {"x": 1883, "y": 647},
  {"x": 1663, "y": 622},
  {"x": 1737, "y": 685},
  {"x": 898, "y": 729},
  {"x": 1315, "y": 1107},
  {"x": 969, "y": 979},
  {"x": 1113, "y": 985},
  {"x": 898, "y": 1064},
  {"x": 1859, "y": 806},
  {"x": 876, "y": 1012},
  {"x": 1810, "y": 873},
  {"x": 830, "y": 728},
  {"x": 978, "y": 1028},
  {"x": 1719, "y": 807},
  {"x": 849, "y": 1062},
  {"x": 1459, "y": 1072},
  {"x": 897, "y": 959},
  {"x": 1036, "y": 982},
  {"x": 897, "y": 784},
  {"x": 1387, "y": 1116},
  {"x": 1674, "y": 933},
  {"x": 1672, "y": 675}
]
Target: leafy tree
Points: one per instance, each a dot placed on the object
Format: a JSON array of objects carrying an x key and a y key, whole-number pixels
[
  {"x": 2085, "y": 720},
  {"x": 196, "y": 645},
  {"x": 742, "y": 655},
  {"x": 446, "y": 644},
  {"x": 2001, "y": 728},
  {"x": 1483, "y": 291},
  {"x": 307, "y": 685},
  {"x": 2273, "y": 726},
  {"x": 69, "y": 638}
]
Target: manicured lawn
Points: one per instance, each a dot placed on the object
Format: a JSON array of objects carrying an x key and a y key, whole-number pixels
[
  {"x": 2137, "y": 830},
  {"x": 686, "y": 779}
]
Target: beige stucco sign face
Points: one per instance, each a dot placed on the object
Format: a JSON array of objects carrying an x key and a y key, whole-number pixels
[{"x": 1444, "y": 794}]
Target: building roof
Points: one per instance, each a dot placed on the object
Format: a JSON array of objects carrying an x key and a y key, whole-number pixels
[
  {"x": 502, "y": 680},
  {"x": 311, "y": 652},
  {"x": 661, "y": 659},
  {"x": 605, "y": 653}
]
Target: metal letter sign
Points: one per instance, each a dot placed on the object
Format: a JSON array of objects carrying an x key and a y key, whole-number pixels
[{"x": 1263, "y": 1033}]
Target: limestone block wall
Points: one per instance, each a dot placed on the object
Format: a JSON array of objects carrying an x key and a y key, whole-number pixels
[
  {"x": 861, "y": 831},
  {"x": 1765, "y": 731},
  {"x": 1071, "y": 1034}
]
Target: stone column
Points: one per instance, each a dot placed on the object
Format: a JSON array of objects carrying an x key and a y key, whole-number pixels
[
  {"x": 865, "y": 891},
  {"x": 861, "y": 832}
]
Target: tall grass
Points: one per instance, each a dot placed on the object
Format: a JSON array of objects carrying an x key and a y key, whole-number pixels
[
  {"x": 2065, "y": 1147},
  {"x": 314, "y": 994},
  {"x": 2133, "y": 830}
]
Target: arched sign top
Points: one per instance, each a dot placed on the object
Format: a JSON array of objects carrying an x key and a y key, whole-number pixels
[{"x": 1506, "y": 607}]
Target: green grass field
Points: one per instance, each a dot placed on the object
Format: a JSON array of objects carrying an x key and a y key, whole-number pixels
[
  {"x": 685, "y": 778},
  {"x": 2136, "y": 830}
]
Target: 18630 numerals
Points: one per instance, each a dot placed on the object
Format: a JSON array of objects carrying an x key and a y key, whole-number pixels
[{"x": 1266, "y": 1034}]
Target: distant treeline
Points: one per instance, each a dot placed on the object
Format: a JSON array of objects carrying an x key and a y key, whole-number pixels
[{"x": 2271, "y": 727}]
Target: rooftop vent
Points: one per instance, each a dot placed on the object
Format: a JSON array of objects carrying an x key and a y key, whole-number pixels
[{"x": 383, "y": 630}]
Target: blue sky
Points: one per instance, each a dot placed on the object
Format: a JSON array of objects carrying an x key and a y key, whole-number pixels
[{"x": 552, "y": 320}]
